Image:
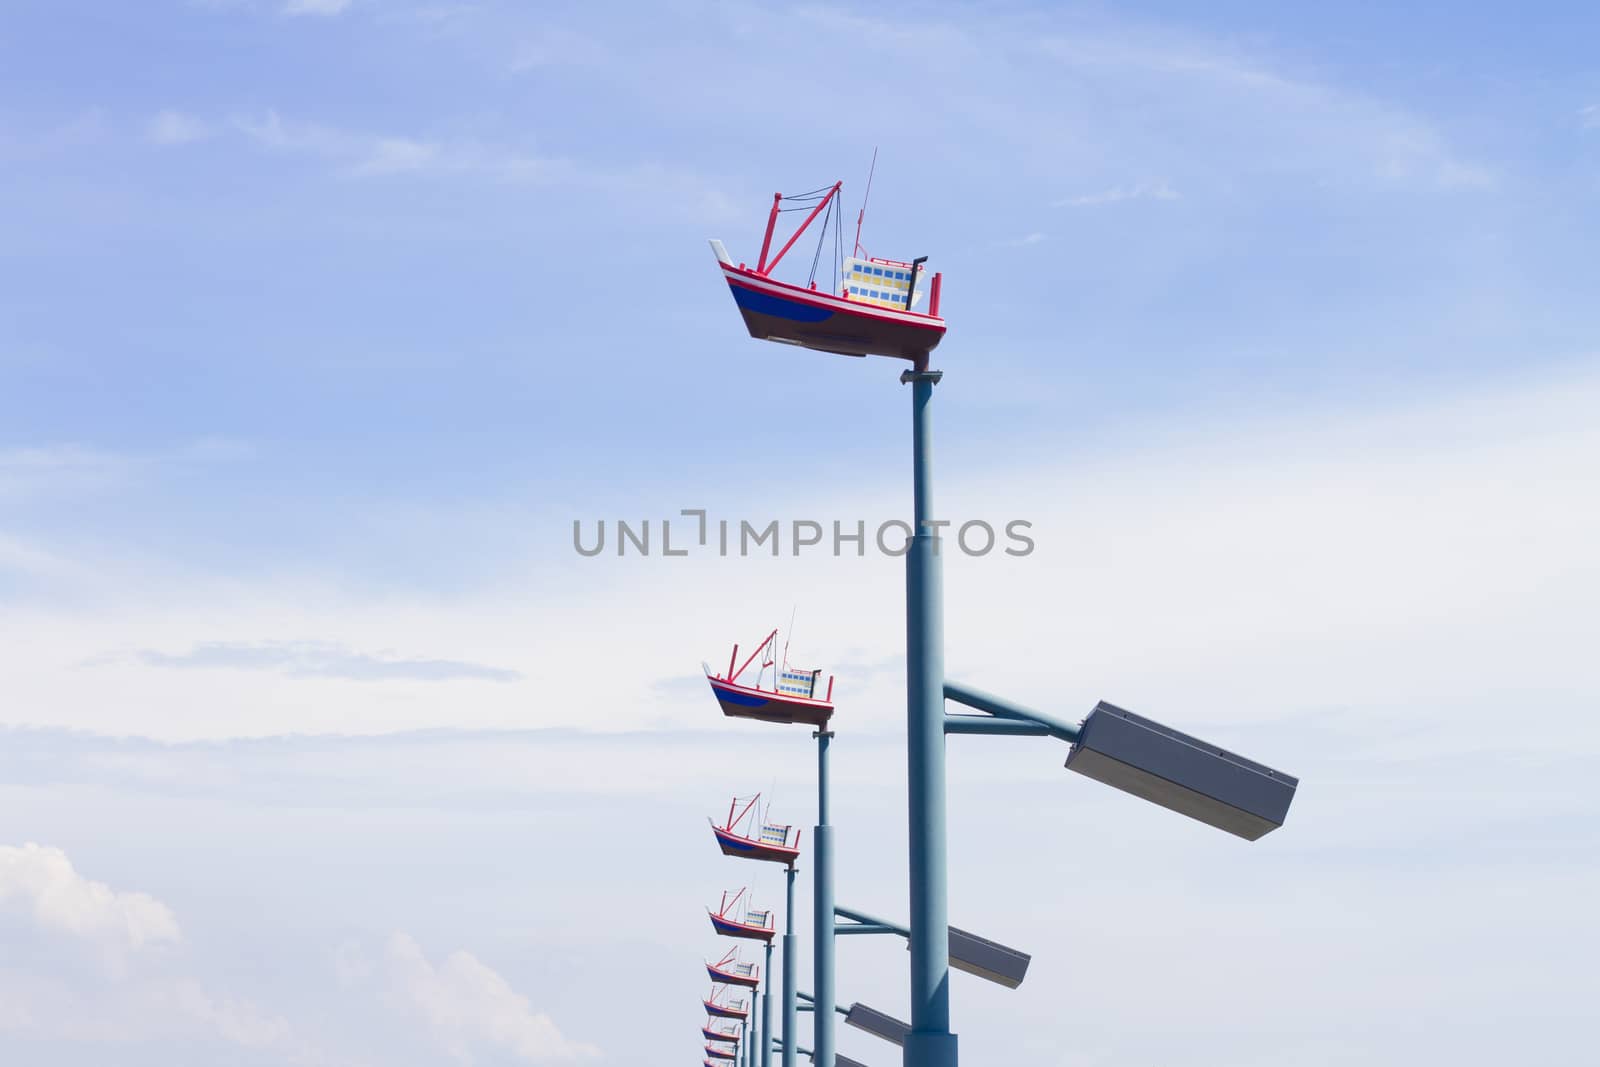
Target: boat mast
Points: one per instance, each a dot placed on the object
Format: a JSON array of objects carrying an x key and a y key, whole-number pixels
[
  {"x": 764, "y": 268},
  {"x": 864, "y": 197}
]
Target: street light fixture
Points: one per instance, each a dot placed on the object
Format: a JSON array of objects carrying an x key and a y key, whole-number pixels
[
  {"x": 877, "y": 1024},
  {"x": 975, "y": 955},
  {"x": 1143, "y": 757},
  {"x": 1182, "y": 773}
]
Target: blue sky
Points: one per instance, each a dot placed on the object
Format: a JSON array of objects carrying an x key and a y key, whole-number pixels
[{"x": 323, "y": 321}]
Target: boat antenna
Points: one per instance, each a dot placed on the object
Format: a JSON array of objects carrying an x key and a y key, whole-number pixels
[
  {"x": 864, "y": 196},
  {"x": 788, "y": 635}
]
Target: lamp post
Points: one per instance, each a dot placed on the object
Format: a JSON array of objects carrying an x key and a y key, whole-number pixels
[
  {"x": 790, "y": 942},
  {"x": 822, "y": 959},
  {"x": 930, "y": 1042},
  {"x": 1113, "y": 746},
  {"x": 766, "y": 1010}
]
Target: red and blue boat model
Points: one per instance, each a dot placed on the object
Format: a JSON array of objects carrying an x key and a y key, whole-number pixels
[
  {"x": 720, "y": 1006},
  {"x": 749, "y": 923},
  {"x": 729, "y": 970},
  {"x": 871, "y": 312},
  {"x": 773, "y": 843},
  {"x": 721, "y": 1032},
  {"x": 792, "y": 698},
  {"x": 721, "y": 1054}
]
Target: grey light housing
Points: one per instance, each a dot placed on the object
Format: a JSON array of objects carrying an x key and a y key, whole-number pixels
[
  {"x": 878, "y": 1024},
  {"x": 1183, "y": 773},
  {"x": 986, "y": 959}
]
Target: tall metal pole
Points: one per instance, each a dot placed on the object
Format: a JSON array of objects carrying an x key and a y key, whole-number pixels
[
  {"x": 930, "y": 1043},
  {"x": 764, "y": 1042},
  {"x": 791, "y": 1016},
  {"x": 822, "y": 920}
]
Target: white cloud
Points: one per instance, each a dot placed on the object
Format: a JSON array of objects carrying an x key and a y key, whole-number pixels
[
  {"x": 315, "y": 7},
  {"x": 238, "y": 1021},
  {"x": 135, "y": 999},
  {"x": 43, "y": 881},
  {"x": 466, "y": 1003},
  {"x": 1264, "y": 550},
  {"x": 1027, "y": 239},
  {"x": 321, "y": 659},
  {"x": 362, "y": 154},
  {"x": 1589, "y": 117},
  {"x": 72, "y": 466},
  {"x": 174, "y": 127},
  {"x": 1117, "y": 194}
]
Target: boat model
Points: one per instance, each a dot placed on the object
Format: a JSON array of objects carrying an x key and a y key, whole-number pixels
[
  {"x": 721, "y": 1055},
  {"x": 712, "y": 1034},
  {"x": 730, "y": 971},
  {"x": 720, "y": 1006},
  {"x": 771, "y": 842},
  {"x": 749, "y": 923},
  {"x": 792, "y": 698},
  {"x": 872, "y": 309}
]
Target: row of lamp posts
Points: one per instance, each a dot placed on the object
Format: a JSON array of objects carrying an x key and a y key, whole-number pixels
[{"x": 1111, "y": 745}]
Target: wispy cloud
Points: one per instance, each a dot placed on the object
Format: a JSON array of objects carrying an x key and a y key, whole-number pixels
[
  {"x": 74, "y": 465},
  {"x": 357, "y": 153},
  {"x": 1117, "y": 194},
  {"x": 554, "y": 47},
  {"x": 1026, "y": 239},
  {"x": 317, "y": 659},
  {"x": 174, "y": 127},
  {"x": 365, "y": 154},
  {"x": 360, "y": 154},
  {"x": 1589, "y": 117},
  {"x": 315, "y": 7}
]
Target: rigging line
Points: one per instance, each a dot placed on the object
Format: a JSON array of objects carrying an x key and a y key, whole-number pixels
[
  {"x": 838, "y": 248},
  {"x": 822, "y": 237}
]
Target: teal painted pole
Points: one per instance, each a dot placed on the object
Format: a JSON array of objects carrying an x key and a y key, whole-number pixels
[
  {"x": 930, "y": 1042},
  {"x": 791, "y": 1017},
  {"x": 822, "y": 915},
  {"x": 765, "y": 1044}
]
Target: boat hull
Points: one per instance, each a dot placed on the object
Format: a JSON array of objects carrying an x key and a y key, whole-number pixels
[
  {"x": 747, "y": 981},
  {"x": 718, "y": 1035},
  {"x": 719, "y": 1054},
  {"x": 719, "y": 1011},
  {"x": 745, "y": 848},
  {"x": 777, "y": 311},
  {"x": 742, "y": 702},
  {"x": 729, "y": 928}
]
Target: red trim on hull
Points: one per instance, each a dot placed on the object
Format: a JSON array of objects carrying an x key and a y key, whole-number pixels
[
  {"x": 844, "y": 326},
  {"x": 720, "y": 1011},
  {"x": 748, "y": 981},
  {"x": 721, "y": 924},
  {"x": 747, "y": 848},
  {"x": 768, "y": 706}
]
